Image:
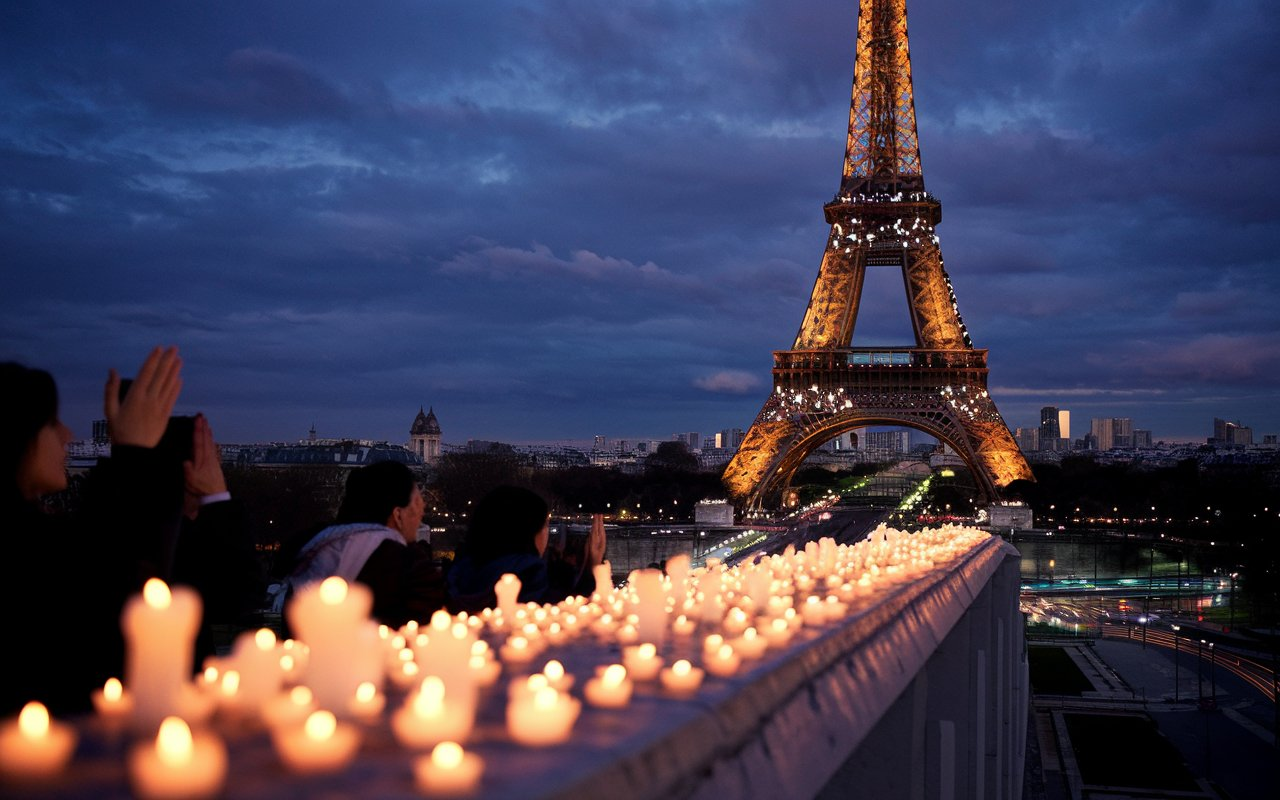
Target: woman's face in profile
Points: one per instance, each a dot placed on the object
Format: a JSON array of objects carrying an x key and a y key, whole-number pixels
[
  {"x": 541, "y": 538},
  {"x": 44, "y": 465}
]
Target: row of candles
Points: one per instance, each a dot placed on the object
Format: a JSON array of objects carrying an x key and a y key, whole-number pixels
[{"x": 314, "y": 693}]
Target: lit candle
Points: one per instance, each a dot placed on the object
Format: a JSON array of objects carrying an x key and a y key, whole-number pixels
[
  {"x": 682, "y": 678},
  {"x": 159, "y": 628},
  {"x": 517, "y": 651},
  {"x": 321, "y": 744},
  {"x": 651, "y": 601},
  {"x": 683, "y": 626},
  {"x": 812, "y": 611},
  {"x": 406, "y": 676},
  {"x": 642, "y": 661},
  {"x": 736, "y": 621},
  {"x": 557, "y": 678},
  {"x": 332, "y": 617},
  {"x": 777, "y": 632},
  {"x": 34, "y": 747},
  {"x": 178, "y": 764},
  {"x": 429, "y": 717},
  {"x": 484, "y": 668},
  {"x": 255, "y": 657},
  {"x": 507, "y": 589},
  {"x": 678, "y": 572},
  {"x": 449, "y": 771},
  {"x": 112, "y": 702},
  {"x": 445, "y": 650},
  {"x": 544, "y": 719},
  {"x": 289, "y": 708},
  {"x": 750, "y": 644},
  {"x": 628, "y": 634},
  {"x": 368, "y": 703},
  {"x": 611, "y": 688},
  {"x": 603, "y": 574},
  {"x": 722, "y": 662}
]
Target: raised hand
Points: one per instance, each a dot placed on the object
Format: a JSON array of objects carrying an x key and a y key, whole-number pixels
[
  {"x": 204, "y": 471},
  {"x": 595, "y": 541},
  {"x": 141, "y": 419}
]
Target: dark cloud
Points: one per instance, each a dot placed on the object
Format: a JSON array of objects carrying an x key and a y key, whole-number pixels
[{"x": 550, "y": 219}]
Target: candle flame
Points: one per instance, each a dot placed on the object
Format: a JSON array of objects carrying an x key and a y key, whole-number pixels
[
  {"x": 477, "y": 662},
  {"x": 447, "y": 755},
  {"x": 33, "y": 721},
  {"x": 286, "y": 662},
  {"x": 537, "y": 682},
  {"x": 441, "y": 620},
  {"x": 333, "y": 591},
  {"x": 554, "y": 670},
  {"x": 230, "y": 682},
  {"x": 681, "y": 667},
  {"x": 421, "y": 640},
  {"x": 749, "y": 634},
  {"x": 409, "y": 669},
  {"x": 507, "y": 579},
  {"x": 459, "y": 631},
  {"x": 613, "y": 675},
  {"x": 725, "y": 652},
  {"x": 320, "y": 726},
  {"x": 479, "y": 648},
  {"x": 155, "y": 593},
  {"x": 265, "y": 639},
  {"x": 405, "y": 655},
  {"x": 112, "y": 690},
  {"x": 365, "y": 692},
  {"x": 300, "y": 696},
  {"x": 211, "y": 674},
  {"x": 714, "y": 641},
  {"x": 647, "y": 651},
  {"x": 173, "y": 743},
  {"x": 518, "y": 643}
]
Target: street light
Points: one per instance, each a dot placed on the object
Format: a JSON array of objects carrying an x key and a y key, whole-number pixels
[{"x": 1176, "y": 628}]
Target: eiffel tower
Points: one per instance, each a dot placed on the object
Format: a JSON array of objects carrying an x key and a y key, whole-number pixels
[{"x": 881, "y": 217}]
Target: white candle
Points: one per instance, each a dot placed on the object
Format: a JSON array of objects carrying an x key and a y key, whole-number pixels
[
  {"x": 321, "y": 744},
  {"x": 255, "y": 657},
  {"x": 603, "y": 574},
  {"x": 751, "y": 644},
  {"x": 112, "y": 702},
  {"x": 544, "y": 719},
  {"x": 449, "y": 771},
  {"x": 812, "y": 611},
  {"x": 289, "y": 708},
  {"x": 723, "y": 661},
  {"x": 444, "y": 649},
  {"x": 557, "y": 678},
  {"x": 682, "y": 678},
  {"x": 678, "y": 572},
  {"x": 777, "y": 632},
  {"x": 429, "y": 717},
  {"x": 178, "y": 765},
  {"x": 160, "y": 629},
  {"x": 683, "y": 626},
  {"x": 367, "y": 704},
  {"x": 507, "y": 589},
  {"x": 642, "y": 661},
  {"x": 484, "y": 670},
  {"x": 651, "y": 601},
  {"x": 611, "y": 688},
  {"x": 332, "y": 617},
  {"x": 710, "y": 583},
  {"x": 34, "y": 747}
]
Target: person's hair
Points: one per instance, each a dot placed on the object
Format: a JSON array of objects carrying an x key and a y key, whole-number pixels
[
  {"x": 505, "y": 522},
  {"x": 373, "y": 492},
  {"x": 28, "y": 402}
]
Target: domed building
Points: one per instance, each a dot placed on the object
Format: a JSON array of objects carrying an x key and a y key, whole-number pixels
[{"x": 424, "y": 436}]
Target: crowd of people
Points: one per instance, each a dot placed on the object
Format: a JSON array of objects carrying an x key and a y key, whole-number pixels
[{"x": 159, "y": 507}]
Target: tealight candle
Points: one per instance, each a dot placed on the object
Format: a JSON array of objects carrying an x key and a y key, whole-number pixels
[
  {"x": 368, "y": 703},
  {"x": 750, "y": 644},
  {"x": 642, "y": 661},
  {"x": 112, "y": 702},
  {"x": 544, "y": 719},
  {"x": 160, "y": 627},
  {"x": 321, "y": 744},
  {"x": 812, "y": 611},
  {"x": 557, "y": 678},
  {"x": 34, "y": 747},
  {"x": 484, "y": 670},
  {"x": 178, "y": 764},
  {"x": 723, "y": 661},
  {"x": 683, "y": 626},
  {"x": 611, "y": 688},
  {"x": 289, "y": 708},
  {"x": 449, "y": 771},
  {"x": 517, "y": 651},
  {"x": 777, "y": 632},
  {"x": 682, "y": 678},
  {"x": 628, "y": 634},
  {"x": 428, "y": 717}
]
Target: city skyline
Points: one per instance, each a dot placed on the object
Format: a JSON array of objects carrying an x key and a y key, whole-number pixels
[{"x": 549, "y": 220}]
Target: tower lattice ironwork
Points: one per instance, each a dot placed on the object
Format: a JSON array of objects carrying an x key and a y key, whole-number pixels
[{"x": 881, "y": 217}]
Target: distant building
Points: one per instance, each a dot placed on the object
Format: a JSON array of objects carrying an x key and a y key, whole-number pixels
[
  {"x": 889, "y": 441},
  {"x": 1231, "y": 434},
  {"x": 1101, "y": 433},
  {"x": 424, "y": 436},
  {"x": 1122, "y": 432},
  {"x": 1028, "y": 439},
  {"x": 691, "y": 440},
  {"x": 713, "y": 513},
  {"x": 1141, "y": 438},
  {"x": 599, "y": 442},
  {"x": 100, "y": 434},
  {"x": 1064, "y": 426},
  {"x": 1049, "y": 435}
]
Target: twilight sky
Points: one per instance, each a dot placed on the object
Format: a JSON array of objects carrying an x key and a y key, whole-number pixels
[{"x": 555, "y": 219}]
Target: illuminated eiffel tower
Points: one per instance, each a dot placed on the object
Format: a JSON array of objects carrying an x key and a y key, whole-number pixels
[{"x": 881, "y": 217}]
